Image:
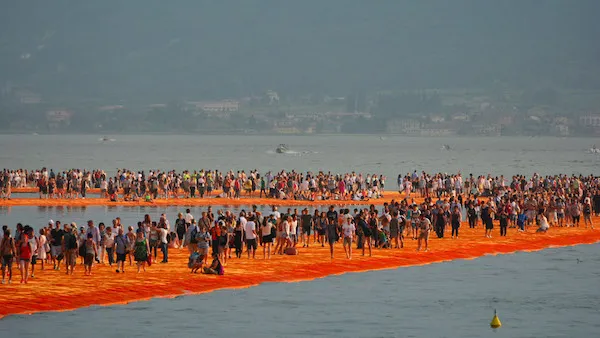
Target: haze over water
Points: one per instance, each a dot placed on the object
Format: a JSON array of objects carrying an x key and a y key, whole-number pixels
[{"x": 388, "y": 155}]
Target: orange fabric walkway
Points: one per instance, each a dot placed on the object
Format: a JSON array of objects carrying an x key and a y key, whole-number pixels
[
  {"x": 54, "y": 291},
  {"x": 388, "y": 196}
]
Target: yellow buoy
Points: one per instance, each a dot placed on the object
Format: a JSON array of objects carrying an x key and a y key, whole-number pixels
[{"x": 495, "y": 321}]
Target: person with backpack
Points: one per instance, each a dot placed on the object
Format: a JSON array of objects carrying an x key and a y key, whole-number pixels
[
  {"x": 366, "y": 231},
  {"x": 69, "y": 247},
  {"x": 190, "y": 240},
  {"x": 203, "y": 242},
  {"x": 8, "y": 252},
  {"x": 121, "y": 247},
  {"x": 487, "y": 219}
]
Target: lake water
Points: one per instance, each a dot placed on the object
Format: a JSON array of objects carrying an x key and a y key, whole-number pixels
[
  {"x": 39, "y": 216},
  {"x": 362, "y": 153},
  {"x": 544, "y": 294},
  {"x": 541, "y": 294}
]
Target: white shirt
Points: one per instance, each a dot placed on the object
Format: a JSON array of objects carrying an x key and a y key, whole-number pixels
[
  {"x": 188, "y": 218},
  {"x": 249, "y": 229},
  {"x": 168, "y": 224},
  {"x": 348, "y": 230},
  {"x": 34, "y": 245},
  {"x": 276, "y": 214},
  {"x": 162, "y": 235},
  {"x": 109, "y": 240},
  {"x": 266, "y": 230},
  {"x": 293, "y": 227},
  {"x": 243, "y": 222},
  {"x": 286, "y": 227}
]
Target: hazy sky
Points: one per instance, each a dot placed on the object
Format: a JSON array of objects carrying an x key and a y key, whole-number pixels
[{"x": 144, "y": 49}]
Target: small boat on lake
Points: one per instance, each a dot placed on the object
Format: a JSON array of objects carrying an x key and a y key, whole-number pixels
[{"x": 282, "y": 149}]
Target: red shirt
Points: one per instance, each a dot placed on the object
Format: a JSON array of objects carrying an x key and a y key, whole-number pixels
[{"x": 25, "y": 248}]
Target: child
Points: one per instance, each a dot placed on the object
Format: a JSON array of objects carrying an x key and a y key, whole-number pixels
[{"x": 195, "y": 262}]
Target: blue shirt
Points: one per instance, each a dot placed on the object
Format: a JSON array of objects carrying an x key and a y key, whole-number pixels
[{"x": 121, "y": 242}]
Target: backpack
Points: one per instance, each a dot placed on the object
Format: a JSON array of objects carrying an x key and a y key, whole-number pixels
[
  {"x": 194, "y": 235},
  {"x": 82, "y": 250},
  {"x": 365, "y": 228},
  {"x": 72, "y": 242},
  {"x": 180, "y": 225}
]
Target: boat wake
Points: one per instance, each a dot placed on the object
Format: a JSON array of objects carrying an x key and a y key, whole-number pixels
[{"x": 106, "y": 139}]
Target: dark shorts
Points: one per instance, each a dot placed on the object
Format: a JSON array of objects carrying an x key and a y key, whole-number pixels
[
  {"x": 34, "y": 260},
  {"x": 89, "y": 259},
  {"x": 306, "y": 230},
  {"x": 489, "y": 224},
  {"x": 251, "y": 244},
  {"x": 7, "y": 261},
  {"x": 121, "y": 257},
  {"x": 267, "y": 239}
]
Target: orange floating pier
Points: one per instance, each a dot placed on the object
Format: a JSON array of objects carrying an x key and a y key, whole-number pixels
[{"x": 52, "y": 290}]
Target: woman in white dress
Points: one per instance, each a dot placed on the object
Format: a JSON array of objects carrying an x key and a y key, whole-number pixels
[{"x": 41, "y": 255}]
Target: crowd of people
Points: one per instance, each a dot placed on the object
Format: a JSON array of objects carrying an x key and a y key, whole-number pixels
[
  {"x": 135, "y": 185},
  {"x": 446, "y": 201}
]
